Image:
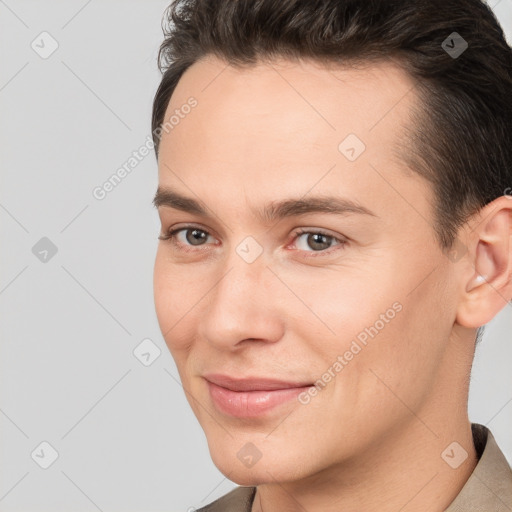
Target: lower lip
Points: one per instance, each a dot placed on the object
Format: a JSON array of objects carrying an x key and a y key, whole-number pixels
[{"x": 250, "y": 404}]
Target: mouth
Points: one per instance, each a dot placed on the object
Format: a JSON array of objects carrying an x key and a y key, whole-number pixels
[{"x": 251, "y": 397}]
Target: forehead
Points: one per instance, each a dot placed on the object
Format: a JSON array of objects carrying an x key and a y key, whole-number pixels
[
  {"x": 321, "y": 91},
  {"x": 280, "y": 123}
]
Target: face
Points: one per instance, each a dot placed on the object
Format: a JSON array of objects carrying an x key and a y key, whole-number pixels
[{"x": 295, "y": 323}]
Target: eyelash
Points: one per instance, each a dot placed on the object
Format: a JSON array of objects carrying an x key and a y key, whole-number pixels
[{"x": 171, "y": 236}]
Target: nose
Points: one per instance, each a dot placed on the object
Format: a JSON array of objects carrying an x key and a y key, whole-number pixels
[{"x": 242, "y": 306}]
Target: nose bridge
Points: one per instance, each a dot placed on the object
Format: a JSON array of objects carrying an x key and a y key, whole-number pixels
[
  {"x": 238, "y": 291},
  {"x": 245, "y": 269},
  {"x": 239, "y": 304}
]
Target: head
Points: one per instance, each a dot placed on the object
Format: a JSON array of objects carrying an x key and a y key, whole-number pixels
[{"x": 335, "y": 176}]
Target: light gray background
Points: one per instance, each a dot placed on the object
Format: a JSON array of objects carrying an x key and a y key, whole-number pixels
[{"x": 124, "y": 433}]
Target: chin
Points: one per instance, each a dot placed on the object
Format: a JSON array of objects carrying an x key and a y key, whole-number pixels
[
  {"x": 265, "y": 470},
  {"x": 230, "y": 465},
  {"x": 246, "y": 478}
]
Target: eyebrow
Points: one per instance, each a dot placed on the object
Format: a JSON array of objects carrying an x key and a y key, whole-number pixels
[{"x": 270, "y": 212}]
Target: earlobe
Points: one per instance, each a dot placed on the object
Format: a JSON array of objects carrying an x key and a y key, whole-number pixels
[{"x": 488, "y": 287}]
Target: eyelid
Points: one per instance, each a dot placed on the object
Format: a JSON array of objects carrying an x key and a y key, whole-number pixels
[
  {"x": 319, "y": 231},
  {"x": 171, "y": 233}
]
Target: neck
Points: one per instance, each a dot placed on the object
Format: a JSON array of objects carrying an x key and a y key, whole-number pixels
[{"x": 405, "y": 471}]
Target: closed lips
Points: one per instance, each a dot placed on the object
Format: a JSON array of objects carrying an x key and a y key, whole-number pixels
[{"x": 253, "y": 383}]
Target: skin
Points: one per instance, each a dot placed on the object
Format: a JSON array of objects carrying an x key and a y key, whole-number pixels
[{"x": 271, "y": 132}]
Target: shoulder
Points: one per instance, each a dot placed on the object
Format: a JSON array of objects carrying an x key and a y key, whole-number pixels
[{"x": 238, "y": 500}]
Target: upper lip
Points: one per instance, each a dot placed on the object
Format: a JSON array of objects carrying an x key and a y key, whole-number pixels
[{"x": 252, "y": 383}]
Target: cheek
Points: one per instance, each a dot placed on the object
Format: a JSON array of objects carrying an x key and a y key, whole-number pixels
[
  {"x": 162, "y": 293},
  {"x": 372, "y": 322},
  {"x": 175, "y": 293},
  {"x": 398, "y": 361},
  {"x": 339, "y": 304}
]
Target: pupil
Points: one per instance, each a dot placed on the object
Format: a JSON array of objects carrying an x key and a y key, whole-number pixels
[
  {"x": 197, "y": 236},
  {"x": 317, "y": 239}
]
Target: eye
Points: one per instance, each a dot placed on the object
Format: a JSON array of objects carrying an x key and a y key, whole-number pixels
[
  {"x": 187, "y": 236},
  {"x": 317, "y": 241},
  {"x": 309, "y": 241}
]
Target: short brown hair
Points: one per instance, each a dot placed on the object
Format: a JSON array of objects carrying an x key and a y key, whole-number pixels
[{"x": 461, "y": 139}]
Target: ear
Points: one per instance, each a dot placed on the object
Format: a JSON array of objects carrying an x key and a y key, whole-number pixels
[{"x": 486, "y": 285}]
